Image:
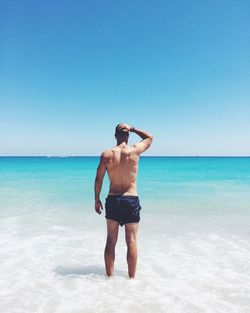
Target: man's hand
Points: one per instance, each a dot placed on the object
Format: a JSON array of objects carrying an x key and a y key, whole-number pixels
[
  {"x": 124, "y": 127},
  {"x": 98, "y": 206}
]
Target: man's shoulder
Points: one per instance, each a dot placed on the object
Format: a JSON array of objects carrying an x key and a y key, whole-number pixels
[{"x": 107, "y": 153}]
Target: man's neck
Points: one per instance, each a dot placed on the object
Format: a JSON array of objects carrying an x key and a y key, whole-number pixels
[{"x": 121, "y": 143}]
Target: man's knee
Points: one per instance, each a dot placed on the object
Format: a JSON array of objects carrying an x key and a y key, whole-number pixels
[
  {"x": 111, "y": 242},
  {"x": 131, "y": 241}
]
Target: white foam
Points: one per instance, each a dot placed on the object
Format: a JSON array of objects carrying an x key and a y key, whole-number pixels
[{"x": 52, "y": 261}]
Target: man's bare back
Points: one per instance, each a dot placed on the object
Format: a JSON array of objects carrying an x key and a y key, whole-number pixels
[{"x": 122, "y": 167}]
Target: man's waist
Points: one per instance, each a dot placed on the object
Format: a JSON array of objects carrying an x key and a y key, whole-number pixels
[
  {"x": 110, "y": 195},
  {"x": 129, "y": 190}
]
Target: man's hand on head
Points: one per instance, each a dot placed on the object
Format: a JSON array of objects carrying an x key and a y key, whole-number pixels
[
  {"x": 98, "y": 206},
  {"x": 124, "y": 127}
]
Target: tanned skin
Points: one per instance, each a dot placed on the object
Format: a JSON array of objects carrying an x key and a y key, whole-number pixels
[{"x": 121, "y": 163}]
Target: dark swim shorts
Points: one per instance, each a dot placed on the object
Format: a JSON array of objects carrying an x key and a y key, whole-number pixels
[{"x": 123, "y": 209}]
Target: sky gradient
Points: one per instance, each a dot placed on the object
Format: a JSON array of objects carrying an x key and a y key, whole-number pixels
[{"x": 72, "y": 70}]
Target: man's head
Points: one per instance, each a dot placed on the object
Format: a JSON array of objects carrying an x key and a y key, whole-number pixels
[{"x": 121, "y": 133}]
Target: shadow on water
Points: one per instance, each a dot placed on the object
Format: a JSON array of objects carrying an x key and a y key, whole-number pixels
[{"x": 85, "y": 270}]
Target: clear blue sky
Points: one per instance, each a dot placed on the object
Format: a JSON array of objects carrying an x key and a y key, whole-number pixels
[{"x": 72, "y": 70}]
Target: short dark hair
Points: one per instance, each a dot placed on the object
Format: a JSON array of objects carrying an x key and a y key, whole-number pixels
[{"x": 116, "y": 129}]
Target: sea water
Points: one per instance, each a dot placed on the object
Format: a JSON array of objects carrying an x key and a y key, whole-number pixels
[{"x": 193, "y": 239}]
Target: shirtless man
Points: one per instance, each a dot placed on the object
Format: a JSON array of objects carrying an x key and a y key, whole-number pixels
[{"x": 122, "y": 206}]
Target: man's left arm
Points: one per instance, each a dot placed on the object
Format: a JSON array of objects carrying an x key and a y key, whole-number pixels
[{"x": 98, "y": 184}]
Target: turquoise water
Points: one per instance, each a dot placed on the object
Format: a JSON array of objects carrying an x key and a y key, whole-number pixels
[
  {"x": 193, "y": 241},
  {"x": 184, "y": 183}
]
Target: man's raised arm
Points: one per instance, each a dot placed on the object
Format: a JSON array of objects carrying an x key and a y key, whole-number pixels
[
  {"x": 146, "y": 137},
  {"x": 146, "y": 140}
]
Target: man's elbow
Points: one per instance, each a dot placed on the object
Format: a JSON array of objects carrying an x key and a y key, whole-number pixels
[
  {"x": 98, "y": 179},
  {"x": 151, "y": 138},
  {"x": 149, "y": 141}
]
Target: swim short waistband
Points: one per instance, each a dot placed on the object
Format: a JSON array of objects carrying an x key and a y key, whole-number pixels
[{"x": 125, "y": 196}]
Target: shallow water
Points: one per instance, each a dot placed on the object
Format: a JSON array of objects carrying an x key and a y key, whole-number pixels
[{"x": 194, "y": 238}]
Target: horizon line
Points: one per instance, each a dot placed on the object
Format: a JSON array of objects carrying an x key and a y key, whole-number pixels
[{"x": 145, "y": 156}]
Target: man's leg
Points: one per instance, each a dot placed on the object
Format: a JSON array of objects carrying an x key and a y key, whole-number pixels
[
  {"x": 109, "y": 253},
  {"x": 131, "y": 234}
]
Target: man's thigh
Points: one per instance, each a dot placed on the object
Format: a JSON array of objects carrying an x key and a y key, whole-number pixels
[
  {"x": 131, "y": 232},
  {"x": 112, "y": 230}
]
